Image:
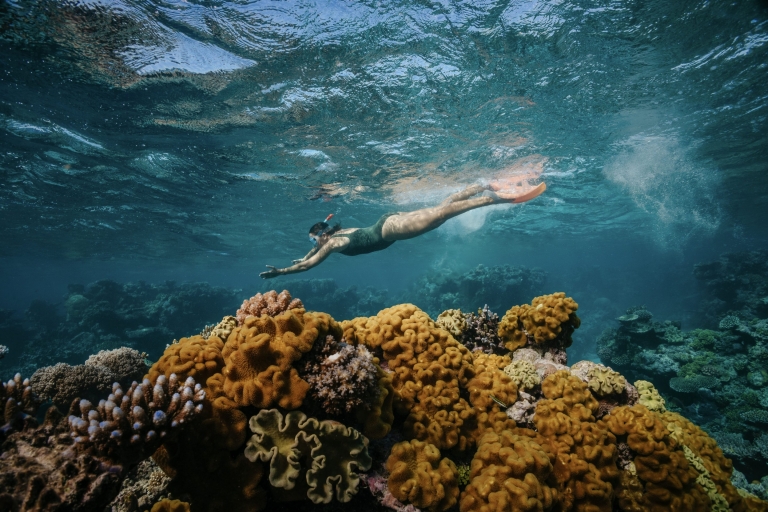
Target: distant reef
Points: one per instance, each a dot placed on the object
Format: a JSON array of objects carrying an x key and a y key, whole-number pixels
[
  {"x": 717, "y": 377},
  {"x": 279, "y": 406}
]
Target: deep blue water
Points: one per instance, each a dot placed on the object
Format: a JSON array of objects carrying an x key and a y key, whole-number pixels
[{"x": 199, "y": 140}]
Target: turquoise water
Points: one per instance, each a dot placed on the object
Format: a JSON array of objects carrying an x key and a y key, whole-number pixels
[{"x": 169, "y": 142}]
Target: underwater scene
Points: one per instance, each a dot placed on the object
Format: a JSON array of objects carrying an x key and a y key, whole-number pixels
[{"x": 380, "y": 255}]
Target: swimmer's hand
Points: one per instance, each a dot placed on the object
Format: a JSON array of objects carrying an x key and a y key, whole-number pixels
[
  {"x": 272, "y": 272},
  {"x": 297, "y": 261}
]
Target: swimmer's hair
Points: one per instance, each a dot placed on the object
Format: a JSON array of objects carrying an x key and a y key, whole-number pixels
[{"x": 319, "y": 227}]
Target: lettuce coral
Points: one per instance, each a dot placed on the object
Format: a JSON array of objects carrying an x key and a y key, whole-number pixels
[
  {"x": 419, "y": 476},
  {"x": 546, "y": 319},
  {"x": 312, "y": 458},
  {"x": 523, "y": 373}
]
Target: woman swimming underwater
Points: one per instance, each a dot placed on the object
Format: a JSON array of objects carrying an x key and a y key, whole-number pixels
[{"x": 392, "y": 227}]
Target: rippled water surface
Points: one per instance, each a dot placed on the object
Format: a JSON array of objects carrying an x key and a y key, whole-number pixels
[{"x": 179, "y": 132}]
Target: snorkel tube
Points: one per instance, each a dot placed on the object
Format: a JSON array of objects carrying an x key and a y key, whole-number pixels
[{"x": 319, "y": 229}]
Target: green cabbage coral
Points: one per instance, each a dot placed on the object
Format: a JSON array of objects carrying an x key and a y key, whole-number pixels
[
  {"x": 523, "y": 374},
  {"x": 649, "y": 396},
  {"x": 325, "y": 453}
]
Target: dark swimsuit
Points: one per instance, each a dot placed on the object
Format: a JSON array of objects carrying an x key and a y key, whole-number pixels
[{"x": 365, "y": 240}]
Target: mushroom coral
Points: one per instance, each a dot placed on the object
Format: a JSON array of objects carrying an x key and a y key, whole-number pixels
[
  {"x": 546, "y": 319},
  {"x": 418, "y": 475}
]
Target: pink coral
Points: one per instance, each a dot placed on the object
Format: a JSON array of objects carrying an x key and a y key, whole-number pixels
[{"x": 269, "y": 304}]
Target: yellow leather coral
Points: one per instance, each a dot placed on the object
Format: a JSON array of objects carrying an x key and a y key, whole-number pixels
[
  {"x": 191, "y": 357},
  {"x": 311, "y": 458},
  {"x": 649, "y": 396},
  {"x": 549, "y": 317},
  {"x": 718, "y": 467},
  {"x": 259, "y": 355},
  {"x": 377, "y": 421},
  {"x": 585, "y": 451},
  {"x": 418, "y": 476},
  {"x": 511, "y": 470},
  {"x": 667, "y": 480}
]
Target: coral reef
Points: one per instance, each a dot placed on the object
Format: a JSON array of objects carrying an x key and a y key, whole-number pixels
[
  {"x": 497, "y": 286},
  {"x": 548, "y": 321},
  {"x": 144, "y": 486},
  {"x": 481, "y": 332},
  {"x": 418, "y": 475},
  {"x": 129, "y": 426},
  {"x": 269, "y": 304},
  {"x": 61, "y": 383},
  {"x": 308, "y": 454}
]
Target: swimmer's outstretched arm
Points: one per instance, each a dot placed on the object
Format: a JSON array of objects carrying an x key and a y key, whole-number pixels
[
  {"x": 333, "y": 245},
  {"x": 309, "y": 254}
]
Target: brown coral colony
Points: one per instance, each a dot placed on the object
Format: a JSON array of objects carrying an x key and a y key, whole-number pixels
[{"x": 394, "y": 404}]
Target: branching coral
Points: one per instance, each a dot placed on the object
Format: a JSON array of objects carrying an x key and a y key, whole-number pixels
[
  {"x": 547, "y": 319},
  {"x": 130, "y": 426},
  {"x": 312, "y": 458},
  {"x": 342, "y": 378},
  {"x": 417, "y": 475},
  {"x": 268, "y": 304},
  {"x": 482, "y": 332},
  {"x": 19, "y": 404}
]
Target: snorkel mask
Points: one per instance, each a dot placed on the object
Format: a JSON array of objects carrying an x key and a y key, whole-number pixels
[{"x": 325, "y": 228}]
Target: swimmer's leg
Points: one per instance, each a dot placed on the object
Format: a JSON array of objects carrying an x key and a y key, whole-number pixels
[{"x": 468, "y": 192}]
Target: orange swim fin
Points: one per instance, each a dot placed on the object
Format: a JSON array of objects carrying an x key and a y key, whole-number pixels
[{"x": 532, "y": 194}]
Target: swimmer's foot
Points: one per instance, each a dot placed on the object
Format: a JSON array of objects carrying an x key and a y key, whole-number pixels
[{"x": 509, "y": 194}]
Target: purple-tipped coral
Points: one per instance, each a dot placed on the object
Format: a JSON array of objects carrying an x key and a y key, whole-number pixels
[
  {"x": 482, "y": 332},
  {"x": 270, "y": 304},
  {"x": 19, "y": 404},
  {"x": 341, "y": 377},
  {"x": 131, "y": 425}
]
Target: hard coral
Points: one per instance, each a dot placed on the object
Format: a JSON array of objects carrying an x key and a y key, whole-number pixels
[
  {"x": 62, "y": 383},
  {"x": 417, "y": 475},
  {"x": 268, "y": 304},
  {"x": 549, "y": 319},
  {"x": 42, "y": 471},
  {"x": 19, "y": 404},
  {"x": 130, "y": 426},
  {"x": 126, "y": 364},
  {"x": 341, "y": 377},
  {"x": 308, "y": 457},
  {"x": 511, "y": 470},
  {"x": 481, "y": 333}
]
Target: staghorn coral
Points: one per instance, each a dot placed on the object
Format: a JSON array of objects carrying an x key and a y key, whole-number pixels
[
  {"x": 130, "y": 426},
  {"x": 268, "y": 304},
  {"x": 511, "y": 470},
  {"x": 341, "y": 377},
  {"x": 649, "y": 396},
  {"x": 453, "y": 321},
  {"x": 259, "y": 356},
  {"x": 417, "y": 475},
  {"x": 312, "y": 458},
  {"x": 549, "y": 319},
  {"x": 523, "y": 373}
]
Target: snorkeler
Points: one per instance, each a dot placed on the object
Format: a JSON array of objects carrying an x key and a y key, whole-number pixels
[{"x": 392, "y": 227}]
